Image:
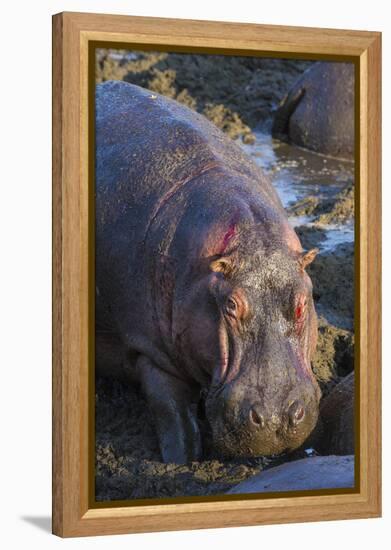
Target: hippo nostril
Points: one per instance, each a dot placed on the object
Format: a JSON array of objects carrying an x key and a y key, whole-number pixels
[
  {"x": 296, "y": 413},
  {"x": 257, "y": 418}
]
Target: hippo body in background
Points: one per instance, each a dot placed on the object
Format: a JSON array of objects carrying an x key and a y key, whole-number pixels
[
  {"x": 319, "y": 472},
  {"x": 202, "y": 279},
  {"x": 318, "y": 112},
  {"x": 336, "y": 422}
]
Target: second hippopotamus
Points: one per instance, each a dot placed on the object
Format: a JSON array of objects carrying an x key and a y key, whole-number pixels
[
  {"x": 203, "y": 280},
  {"x": 318, "y": 111}
]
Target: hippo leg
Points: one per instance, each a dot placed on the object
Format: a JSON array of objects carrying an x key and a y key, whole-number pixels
[{"x": 169, "y": 399}]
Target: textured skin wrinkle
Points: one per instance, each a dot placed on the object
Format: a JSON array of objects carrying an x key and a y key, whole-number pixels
[{"x": 176, "y": 188}]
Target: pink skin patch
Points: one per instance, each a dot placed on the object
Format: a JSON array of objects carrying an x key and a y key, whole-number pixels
[
  {"x": 300, "y": 307},
  {"x": 298, "y": 312},
  {"x": 223, "y": 351},
  {"x": 292, "y": 239},
  {"x": 299, "y": 315}
]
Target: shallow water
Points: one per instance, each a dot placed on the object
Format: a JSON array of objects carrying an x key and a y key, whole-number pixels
[{"x": 297, "y": 173}]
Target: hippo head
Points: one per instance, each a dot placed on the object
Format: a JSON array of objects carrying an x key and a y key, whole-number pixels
[{"x": 254, "y": 334}]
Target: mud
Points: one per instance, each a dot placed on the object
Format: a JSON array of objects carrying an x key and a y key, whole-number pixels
[
  {"x": 334, "y": 357},
  {"x": 236, "y": 93},
  {"x": 332, "y": 277},
  {"x": 337, "y": 210},
  {"x": 239, "y": 95},
  {"x": 128, "y": 463}
]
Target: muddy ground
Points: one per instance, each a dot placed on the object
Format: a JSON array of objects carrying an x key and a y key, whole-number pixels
[
  {"x": 236, "y": 93},
  {"x": 240, "y": 96}
]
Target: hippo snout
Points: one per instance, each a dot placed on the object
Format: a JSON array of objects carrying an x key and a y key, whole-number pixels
[
  {"x": 257, "y": 427},
  {"x": 294, "y": 415}
]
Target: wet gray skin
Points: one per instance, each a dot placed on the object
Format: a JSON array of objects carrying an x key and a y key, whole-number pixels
[{"x": 202, "y": 278}]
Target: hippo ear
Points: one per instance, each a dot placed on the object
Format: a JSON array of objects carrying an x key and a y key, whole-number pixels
[
  {"x": 222, "y": 265},
  {"x": 308, "y": 257}
]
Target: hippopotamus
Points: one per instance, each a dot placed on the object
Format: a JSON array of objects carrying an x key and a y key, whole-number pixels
[
  {"x": 202, "y": 279},
  {"x": 318, "y": 111},
  {"x": 307, "y": 474},
  {"x": 335, "y": 431}
]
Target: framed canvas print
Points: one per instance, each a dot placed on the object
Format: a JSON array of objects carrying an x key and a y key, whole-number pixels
[{"x": 216, "y": 274}]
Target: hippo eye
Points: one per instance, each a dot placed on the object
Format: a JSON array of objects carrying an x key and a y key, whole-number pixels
[{"x": 231, "y": 306}]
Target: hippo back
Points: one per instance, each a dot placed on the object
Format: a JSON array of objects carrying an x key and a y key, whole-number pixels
[
  {"x": 148, "y": 148},
  {"x": 146, "y": 143}
]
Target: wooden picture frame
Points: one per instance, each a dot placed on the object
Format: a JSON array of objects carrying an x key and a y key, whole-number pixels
[{"x": 73, "y": 33}]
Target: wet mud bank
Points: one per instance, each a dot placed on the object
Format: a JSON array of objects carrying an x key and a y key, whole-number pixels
[
  {"x": 318, "y": 193},
  {"x": 237, "y": 94},
  {"x": 128, "y": 463}
]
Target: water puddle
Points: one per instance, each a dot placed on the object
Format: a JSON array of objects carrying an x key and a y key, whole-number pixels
[{"x": 297, "y": 173}]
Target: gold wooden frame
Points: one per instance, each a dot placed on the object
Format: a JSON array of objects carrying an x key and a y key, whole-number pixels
[{"x": 72, "y": 34}]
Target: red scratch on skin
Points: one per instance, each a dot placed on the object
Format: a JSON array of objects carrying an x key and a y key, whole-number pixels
[
  {"x": 232, "y": 230},
  {"x": 227, "y": 237}
]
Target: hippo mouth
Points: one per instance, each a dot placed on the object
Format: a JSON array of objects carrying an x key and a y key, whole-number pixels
[{"x": 274, "y": 441}]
